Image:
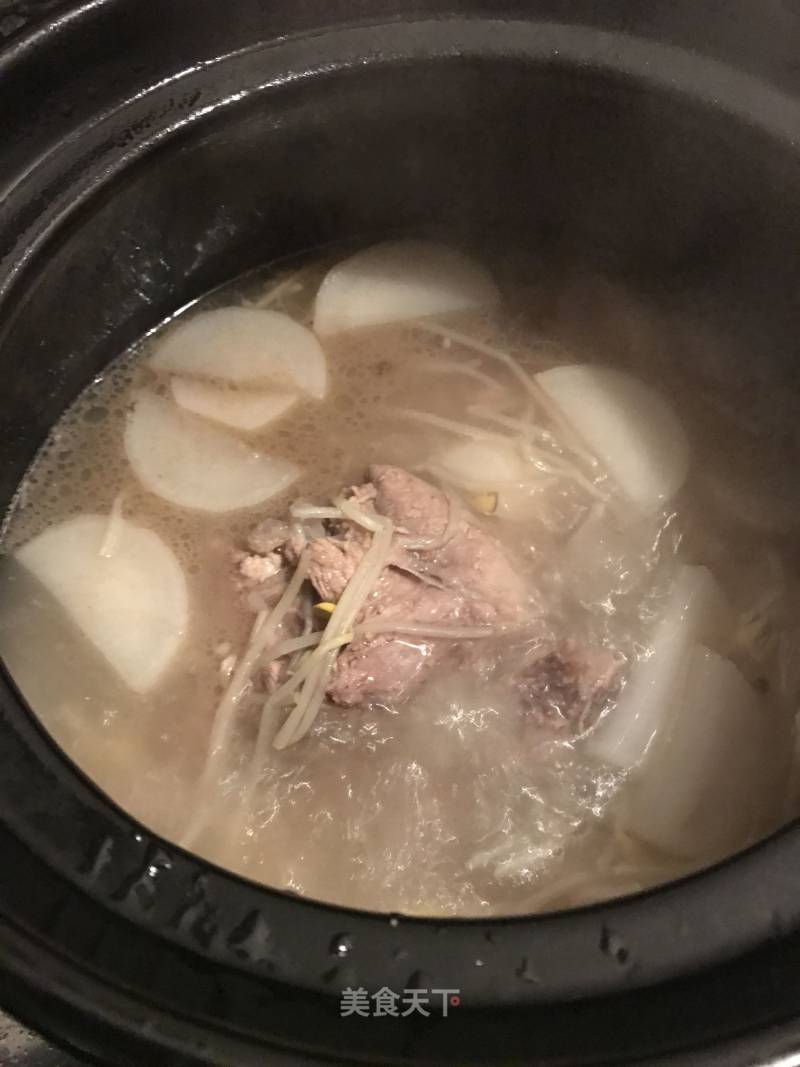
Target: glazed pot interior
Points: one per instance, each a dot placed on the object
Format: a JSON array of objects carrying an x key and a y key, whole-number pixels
[
  {"x": 581, "y": 169},
  {"x": 568, "y": 165}
]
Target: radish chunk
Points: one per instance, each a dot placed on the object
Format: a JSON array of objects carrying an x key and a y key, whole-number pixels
[
  {"x": 190, "y": 463},
  {"x": 400, "y": 280},
  {"x": 246, "y": 346},
  {"x": 627, "y": 425},
  {"x": 696, "y": 610},
  {"x": 132, "y": 605},
  {"x": 713, "y": 780},
  {"x": 482, "y": 465},
  {"x": 240, "y": 409}
]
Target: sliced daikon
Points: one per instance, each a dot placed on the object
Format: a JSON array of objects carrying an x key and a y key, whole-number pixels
[
  {"x": 188, "y": 462},
  {"x": 627, "y": 425},
  {"x": 245, "y": 410},
  {"x": 132, "y": 605},
  {"x": 714, "y": 779},
  {"x": 696, "y": 610},
  {"x": 247, "y": 346},
  {"x": 400, "y": 280},
  {"x": 482, "y": 465},
  {"x": 519, "y": 492}
]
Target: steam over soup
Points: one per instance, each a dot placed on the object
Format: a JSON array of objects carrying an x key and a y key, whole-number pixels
[{"x": 389, "y": 584}]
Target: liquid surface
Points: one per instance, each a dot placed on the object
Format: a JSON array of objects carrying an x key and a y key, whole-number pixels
[{"x": 450, "y": 803}]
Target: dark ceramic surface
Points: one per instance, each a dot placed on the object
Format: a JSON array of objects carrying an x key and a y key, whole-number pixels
[{"x": 20, "y": 1047}]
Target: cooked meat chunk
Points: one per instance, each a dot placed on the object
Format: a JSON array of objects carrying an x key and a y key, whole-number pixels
[
  {"x": 386, "y": 667},
  {"x": 415, "y": 506},
  {"x": 260, "y": 568},
  {"x": 462, "y": 556},
  {"x": 268, "y": 536},
  {"x": 260, "y": 580},
  {"x": 567, "y": 687},
  {"x": 475, "y": 583},
  {"x": 333, "y": 560},
  {"x": 445, "y": 570}
]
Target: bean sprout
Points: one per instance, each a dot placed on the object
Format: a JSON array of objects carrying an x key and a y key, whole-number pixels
[
  {"x": 440, "y": 364},
  {"x": 285, "y": 287},
  {"x": 341, "y": 621},
  {"x": 303, "y": 512},
  {"x": 462, "y": 429},
  {"x": 568, "y": 435},
  {"x": 111, "y": 538},
  {"x": 263, "y": 632}
]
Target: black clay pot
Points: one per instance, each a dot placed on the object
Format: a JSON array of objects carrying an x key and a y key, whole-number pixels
[{"x": 151, "y": 151}]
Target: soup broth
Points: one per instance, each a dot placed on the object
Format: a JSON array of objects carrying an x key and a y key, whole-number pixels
[{"x": 603, "y": 693}]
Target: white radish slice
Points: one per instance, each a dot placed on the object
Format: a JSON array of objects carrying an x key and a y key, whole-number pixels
[
  {"x": 482, "y": 465},
  {"x": 246, "y": 346},
  {"x": 241, "y": 409},
  {"x": 716, "y": 776},
  {"x": 190, "y": 463},
  {"x": 696, "y": 610},
  {"x": 627, "y": 425},
  {"x": 132, "y": 605},
  {"x": 399, "y": 280},
  {"x": 497, "y": 468}
]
